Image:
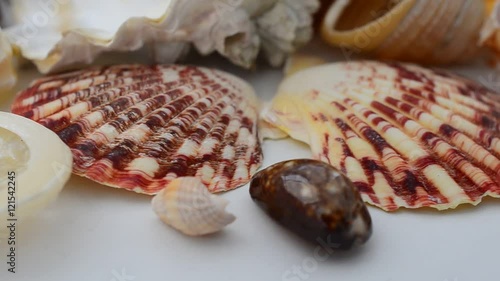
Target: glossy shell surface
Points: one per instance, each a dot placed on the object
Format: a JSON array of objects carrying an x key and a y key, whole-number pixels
[
  {"x": 314, "y": 200},
  {"x": 405, "y": 135},
  {"x": 139, "y": 127}
]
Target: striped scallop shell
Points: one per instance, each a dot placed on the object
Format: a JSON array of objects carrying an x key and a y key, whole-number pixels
[
  {"x": 405, "y": 135},
  {"x": 139, "y": 127}
]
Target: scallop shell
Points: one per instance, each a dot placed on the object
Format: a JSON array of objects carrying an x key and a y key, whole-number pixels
[
  {"x": 139, "y": 127},
  {"x": 186, "y": 205},
  {"x": 425, "y": 31},
  {"x": 405, "y": 135}
]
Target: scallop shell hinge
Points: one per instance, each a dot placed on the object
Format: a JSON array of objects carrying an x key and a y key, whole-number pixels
[{"x": 139, "y": 127}]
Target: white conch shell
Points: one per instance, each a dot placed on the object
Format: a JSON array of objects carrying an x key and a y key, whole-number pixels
[
  {"x": 7, "y": 73},
  {"x": 186, "y": 205},
  {"x": 55, "y": 34}
]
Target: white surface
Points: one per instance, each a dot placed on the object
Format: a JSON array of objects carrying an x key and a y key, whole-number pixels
[{"x": 97, "y": 233}]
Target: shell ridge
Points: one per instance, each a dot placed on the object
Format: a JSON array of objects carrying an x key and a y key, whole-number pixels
[
  {"x": 101, "y": 81},
  {"x": 383, "y": 148},
  {"x": 129, "y": 146},
  {"x": 151, "y": 95},
  {"x": 458, "y": 164},
  {"x": 98, "y": 101},
  {"x": 426, "y": 134},
  {"x": 340, "y": 124},
  {"x": 233, "y": 140},
  {"x": 405, "y": 181},
  {"x": 423, "y": 160}
]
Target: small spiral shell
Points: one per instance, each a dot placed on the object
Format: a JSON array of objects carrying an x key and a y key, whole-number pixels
[{"x": 186, "y": 205}]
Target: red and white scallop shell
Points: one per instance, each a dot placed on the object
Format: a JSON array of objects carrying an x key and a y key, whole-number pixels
[
  {"x": 139, "y": 127},
  {"x": 405, "y": 135}
]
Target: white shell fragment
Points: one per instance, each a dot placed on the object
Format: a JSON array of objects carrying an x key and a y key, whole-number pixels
[
  {"x": 406, "y": 136},
  {"x": 186, "y": 205},
  {"x": 34, "y": 166},
  {"x": 59, "y": 33}
]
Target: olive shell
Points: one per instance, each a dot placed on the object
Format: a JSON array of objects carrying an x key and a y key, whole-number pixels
[{"x": 315, "y": 201}]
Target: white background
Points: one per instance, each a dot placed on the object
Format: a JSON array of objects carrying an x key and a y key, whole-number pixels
[{"x": 99, "y": 233}]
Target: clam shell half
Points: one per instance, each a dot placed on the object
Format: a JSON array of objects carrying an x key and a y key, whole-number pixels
[
  {"x": 405, "y": 135},
  {"x": 139, "y": 127}
]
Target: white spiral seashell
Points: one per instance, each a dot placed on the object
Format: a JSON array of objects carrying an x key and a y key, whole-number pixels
[{"x": 186, "y": 205}]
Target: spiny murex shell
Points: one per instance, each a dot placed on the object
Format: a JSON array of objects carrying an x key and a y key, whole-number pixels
[
  {"x": 186, "y": 205},
  {"x": 405, "y": 135},
  {"x": 57, "y": 34},
  {"x": 139, "y": 127}
]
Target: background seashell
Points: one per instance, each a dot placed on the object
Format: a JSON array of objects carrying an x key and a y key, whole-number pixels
[
  {"x": 56, "y": 35},
  {"x": 489, "y": 4},
  {"x": 490, "y": 33},
  {"x": 425, "y": 31},
  {"x": 186, "y": 205},
  {"x": 139, "y": 127},
  {"x": 300, "y": 61},
  {"x": 405, "y": 135},
  {"x": 7, "y": 74}
]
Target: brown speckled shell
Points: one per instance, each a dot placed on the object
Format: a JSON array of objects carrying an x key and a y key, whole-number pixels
[
  {"x": 315, "y": 201},
  {"x": 139, "y": 127}
]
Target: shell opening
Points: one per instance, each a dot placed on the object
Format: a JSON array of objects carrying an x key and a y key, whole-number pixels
[{"x": 358, "y": 13}]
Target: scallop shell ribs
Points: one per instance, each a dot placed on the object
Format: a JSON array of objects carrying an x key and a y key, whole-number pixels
[
  {"x": 405, "y": 135},
  {"x": 139, "y": 127}
]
